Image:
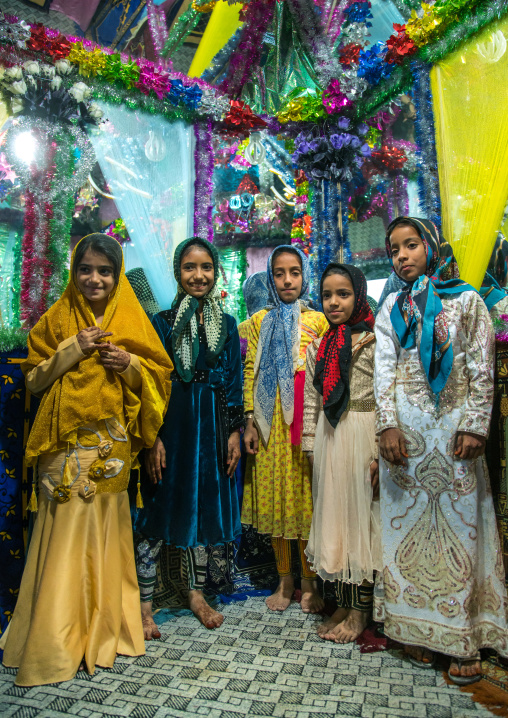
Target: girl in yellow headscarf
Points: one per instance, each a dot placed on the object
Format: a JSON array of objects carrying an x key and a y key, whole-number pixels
[{"x": 104, "y": 379}]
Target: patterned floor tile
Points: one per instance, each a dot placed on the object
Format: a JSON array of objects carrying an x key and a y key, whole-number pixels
[{"x": 258, "y": 664}]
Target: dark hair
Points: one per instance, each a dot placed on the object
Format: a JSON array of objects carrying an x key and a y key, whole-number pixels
[
  {"x": 99, "y": 244},
  {"x": 285, "y": 250},
  {"x": 333, "y": 269},
  {"x": 199, "y": 244},
  {"x": 402, "y": 222}
]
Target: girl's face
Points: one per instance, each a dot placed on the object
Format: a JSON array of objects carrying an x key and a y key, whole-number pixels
[
  {"x": 197, "y": 272},
  {"x": 95, "y": 277},
  {"x": 287, "y": 275},
  {"x": 409, "y": 256},
  {"x": 338, "y": 298}
]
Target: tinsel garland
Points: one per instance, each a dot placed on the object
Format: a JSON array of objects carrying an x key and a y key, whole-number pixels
[
  {"x": 158, "y": 30},
  {"x": 12, "y": 338},
  {"x": 398, "y": 199},
  {"x": 182, "y": 27},
  {"x": 16, "y": 282},
  {"x": 111, "y": 76},
  {"x": 203, "y": 184},
  {"x": 301, "y": 229},
  {"x": 257, "y": 17},
  {"x": 317, "y": 237},
  {"x": 60, "y": 225},
  {"x": 428, "y": 177},
  {"x": 317, "y": 44},
  {"x": 470, "y": 22},
  {"x": 217, "y": 66}
]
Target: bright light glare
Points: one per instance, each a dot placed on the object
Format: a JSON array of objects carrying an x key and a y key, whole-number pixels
[{"x": 24, "y": 146}]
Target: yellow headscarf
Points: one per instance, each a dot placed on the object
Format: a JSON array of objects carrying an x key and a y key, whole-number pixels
[{"x": 88, "y": 392}]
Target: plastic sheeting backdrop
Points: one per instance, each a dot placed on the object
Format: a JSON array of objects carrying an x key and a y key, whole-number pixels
[{"x": 148, "y": 163}]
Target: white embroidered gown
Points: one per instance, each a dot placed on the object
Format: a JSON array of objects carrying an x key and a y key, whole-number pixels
[{"x": 442, "y": 585}]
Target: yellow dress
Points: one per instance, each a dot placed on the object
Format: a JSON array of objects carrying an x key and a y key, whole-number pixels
[
  {"x": 79, "y": 596},
  {"x": 80, "y": 577},
  {"x": 277, "y": 497}
]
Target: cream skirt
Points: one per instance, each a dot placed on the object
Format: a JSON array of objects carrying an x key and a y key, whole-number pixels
[
  {"x": 344, "y": 542},
  {"x": 79, "y": 595}
]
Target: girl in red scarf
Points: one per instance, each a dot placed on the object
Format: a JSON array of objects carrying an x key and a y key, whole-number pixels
[{"x": 339, "y": 437}]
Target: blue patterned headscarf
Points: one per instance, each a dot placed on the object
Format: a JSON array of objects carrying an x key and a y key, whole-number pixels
[
  {"x": 255, "y": 292},
  {"x": 278, "y": 350},
  {"x": 491, "y": 291},
  {"x": 419, "y": 303}
]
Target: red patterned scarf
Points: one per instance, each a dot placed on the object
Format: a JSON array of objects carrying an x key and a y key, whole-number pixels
[{"x": 331, "y": 376}]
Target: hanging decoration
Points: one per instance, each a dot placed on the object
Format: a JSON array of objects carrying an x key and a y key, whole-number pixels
[
  {"x": 331, "y": 152},
  {"x": 58, "y": 160},
  {"x": 428, "y": 178},
  {"x": 158, "y": 30},
  {"x": 203, "y": 185},
  {"x": 118, "y": 231},
  {"x": 315, "y": 41},
  {"x": 371, "y": 77},
  {"x": 301, "y": 229},
  {"x": 110, "y": 76},
  {"x": 256, "y": 16}
]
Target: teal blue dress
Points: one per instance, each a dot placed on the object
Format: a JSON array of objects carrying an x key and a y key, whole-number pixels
[{"x": 196, "y": 503}]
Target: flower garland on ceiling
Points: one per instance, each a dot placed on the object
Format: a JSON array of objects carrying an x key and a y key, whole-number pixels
[
  {"x": 116, "y": 77},
  {"x": 371, "y": 77}
]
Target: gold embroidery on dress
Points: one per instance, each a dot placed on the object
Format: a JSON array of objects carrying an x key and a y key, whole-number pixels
[
  {"x": 449, "y": 608},
  {"x": 431, "y": 557},
  {"x": 413, "y": 599},
  {"x": 415, "y": 442},
  {"x": 391, "y": 587}
]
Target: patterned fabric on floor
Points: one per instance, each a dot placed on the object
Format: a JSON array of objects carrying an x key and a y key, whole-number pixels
[{"x": 257, "y": 664}]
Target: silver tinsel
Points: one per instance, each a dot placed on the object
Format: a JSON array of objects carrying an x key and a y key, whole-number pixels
[
  {"x": 77, "y": 138},
  {"x": 13, "y": 33}
]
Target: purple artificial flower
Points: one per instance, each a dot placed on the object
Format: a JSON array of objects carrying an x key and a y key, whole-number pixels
[
  {"x": 355, "y": 142},
  {"x": 363, "y": 129},
  {"x": 365, "y": 150},
  {"x": 337, "y": 141},
  {"x": 344, "y": 123}
]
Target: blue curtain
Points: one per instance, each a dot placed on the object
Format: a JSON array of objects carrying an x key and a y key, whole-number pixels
[{"x": 148, "y": 163}]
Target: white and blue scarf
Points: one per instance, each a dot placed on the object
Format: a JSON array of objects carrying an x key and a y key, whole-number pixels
[{"x": 277, "y": 352}]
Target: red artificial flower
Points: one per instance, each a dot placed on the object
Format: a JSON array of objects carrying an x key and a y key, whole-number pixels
[
  {"x": 59, "y": 48},
  {"x": 399, "y": 46},
  {"x": 241, "y": 118},
  {"x": 38, "y": 40},
  {"x": 350, "y": 54}
]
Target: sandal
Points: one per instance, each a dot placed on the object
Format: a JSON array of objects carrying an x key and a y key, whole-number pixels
[
  {"x": 421, "y": 664},
  {"x": 464, "y": 680}
]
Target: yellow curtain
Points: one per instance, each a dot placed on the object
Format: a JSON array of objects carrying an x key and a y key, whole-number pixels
[
  {"x": 4, "y": 115},
  {"x": 222, "y": 24},
  {"x": 470, "y": 101}
]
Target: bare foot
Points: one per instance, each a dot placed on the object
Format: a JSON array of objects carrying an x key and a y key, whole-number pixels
[
  {"x": 327, "y": 626},
  {"x": 423, "y": 655},
  {"x": 468, "y": 668},
  {"x": 351, "y": 627},
  {"x": 281, "y": 598},
  {"x": 205, "y": 613},
  {"x": 150, "y": 629},
  {"x": 311, "y": 600}
]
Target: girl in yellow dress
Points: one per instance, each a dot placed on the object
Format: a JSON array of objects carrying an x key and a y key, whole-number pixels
[
  {"x": 104, "y": 379},
  {"x": 278, "y": 493}
]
